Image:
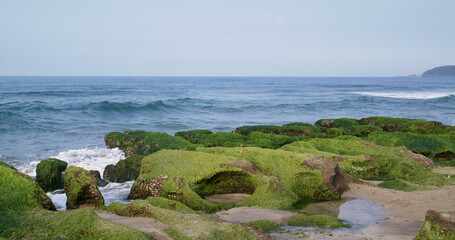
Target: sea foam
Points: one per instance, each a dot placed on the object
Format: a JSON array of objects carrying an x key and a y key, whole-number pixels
[{"x": 407, "y": 95}]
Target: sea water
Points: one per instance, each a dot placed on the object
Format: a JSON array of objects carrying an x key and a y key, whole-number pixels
[{"x": 68, "y": 117}]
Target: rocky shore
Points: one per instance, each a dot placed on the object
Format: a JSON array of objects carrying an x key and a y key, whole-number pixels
[{"x": 404, "y": 165}]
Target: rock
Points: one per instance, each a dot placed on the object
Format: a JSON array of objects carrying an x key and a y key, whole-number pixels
[
  {"x": 49, "y": 174},
  {"x": 143, "y": 143},
  {"x": 423, "y": 161},
  {"x": 445, "y": 156},
  {"x": 437, "y": 226},
  {"x": 125, "y": 170},
  {"x": 18, "y": 192},
  {"x": 332, "y": 177},
  {"x": 442, "y": 71},
  {"x": 97, "y": 175},
  {"x": 4, "y": 164},
  {"x": 81, "y": 189}
]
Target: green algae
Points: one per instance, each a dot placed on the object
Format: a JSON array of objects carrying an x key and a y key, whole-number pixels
[
  {"x": 143, "y": 143},
  {"x": 49, "y": 174},
  {"x": 321, "y": 221},
  {"x": 81, "y": 189},
  {"x": 264, "y": 225},
  {"x": 4, "y": 164},
  {"x": 124, "y": 170},
  {"x": 183, "y": 224}
]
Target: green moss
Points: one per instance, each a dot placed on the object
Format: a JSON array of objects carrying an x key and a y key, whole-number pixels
[
  {"x": 336, "y": 123},
  {"x": 322, "y": 221},
  {"x": 275, "y": 140},
  {"x": 4, "y": 164},
  {"x": 165, "y": 203},
  {"x": 220, "y": 139},
  {"x": 395, "y": 124},
  {"x": 124, "y": 170},
  {"x": 246, "y": 130},
  {"x": 288, "y": 130},
  {"x": 264, "y": 225},
  {"x": 193, "y": 135},
  {"x": 81, "y": 189},
  {"x": 74, "y": 224},
  {"x": 335, "y": 132},
  {"x": 297, "y": 124},
  {"x": 362, "y": 130},
  {"x": 429, "y": 145},
  {"x": 351, "y": 154},
  {"x": 49, "y": 174},
  {"x": 18, "y": 192},
  {"x": 143, "y": 143}
]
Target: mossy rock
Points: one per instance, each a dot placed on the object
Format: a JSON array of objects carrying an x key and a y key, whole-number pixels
[
  {"x": 268, "y": 175},
  {"x": 336, "y": 123},
  {"x": 81, "y": 189},
  {"x": 143, "y": 143},
  {"x": 288, "y": 130},
  {"x": 124, "y": 170},
  {"x": 437, "y": 226},
  {"x": 182, "y": 224},
  {"x": 49, "y": 174},
  {"x": 429, "y": 145},
  {"x": 355, "y": 157},
  {"x": 193, "y": 135},
  {"x": 274, "y": 141},
  {"x": 389, "y": 124},
  {"x": 74, "y": 224},
  {"x": 18, "y": 192},
  {"x": 264, "y": 225},
  {"x": 4, "y": 164},
  {"x": 321, "y": 221}
]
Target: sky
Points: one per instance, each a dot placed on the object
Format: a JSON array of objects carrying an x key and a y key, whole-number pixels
[{"x": 225, "y": 38}]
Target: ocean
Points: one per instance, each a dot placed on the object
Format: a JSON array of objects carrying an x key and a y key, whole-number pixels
[{"x": 68, "y": 117}]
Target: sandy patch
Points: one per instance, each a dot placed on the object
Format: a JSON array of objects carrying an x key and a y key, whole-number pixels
[
  {"x": 146, "y": 225},
  {"x": 251, "y": 214},
  {"x": 406, "y": 205},
  {"x": 445, "y": 170}
]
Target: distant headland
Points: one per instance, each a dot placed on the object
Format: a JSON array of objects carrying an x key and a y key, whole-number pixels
[{"x": 443, "y": 71}]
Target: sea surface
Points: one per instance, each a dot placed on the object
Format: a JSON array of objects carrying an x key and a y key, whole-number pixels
[{"x": 68, "y": 117}]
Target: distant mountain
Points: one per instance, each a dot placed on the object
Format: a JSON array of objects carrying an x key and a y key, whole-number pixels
[{"x": 444, "y": 71}]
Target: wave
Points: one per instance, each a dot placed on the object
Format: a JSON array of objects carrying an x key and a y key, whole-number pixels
[
  {"x": 89, "y": 159},
  {"x": 407, "y": 95}
]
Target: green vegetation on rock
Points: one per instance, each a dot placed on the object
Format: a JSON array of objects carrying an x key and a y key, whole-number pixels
[
  {"x": 49, "y": 174},
  {"x": 437, "y": 226},
  {"x": 81, "y": 189},
  {"x": 322, "y": 221},
  {"x": 24, "y": 215},
  {"x": 264, "y": 225},
  {"x": 124, "y": 170},
  {"x": 4, "y": 164},
  {"x": 143, "y": 143},
  {"x": 182, "y": 224}
]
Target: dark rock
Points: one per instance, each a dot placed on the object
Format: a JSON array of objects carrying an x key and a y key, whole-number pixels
[
  {"x": 81, "y": 188},
  {"x": 125, "y": 170},
  {"x": 332, "y": 177},
  {"x": 49, "y": 174},
  {"x": 445, "y": 156}
]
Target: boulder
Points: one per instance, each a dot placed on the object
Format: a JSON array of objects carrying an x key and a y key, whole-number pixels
[
  {"x": 437, "y": 226},
  {"x": 81, "y": 188},
  {"x": 49, "y": 174},
  {"x": 143, "y": 143},
  {"x": 332, "y": 177},
  {"x": 124, "y": 170},
  {"x": 18, "y": 192}
]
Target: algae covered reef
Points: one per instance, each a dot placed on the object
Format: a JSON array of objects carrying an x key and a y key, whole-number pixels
[{"x": 279, "y": 167}]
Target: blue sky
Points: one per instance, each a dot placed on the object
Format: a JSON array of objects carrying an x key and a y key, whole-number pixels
[{"x": 225, "y": 38}]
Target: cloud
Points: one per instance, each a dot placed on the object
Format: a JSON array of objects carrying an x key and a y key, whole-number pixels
[{"x": 275, "y": 19}]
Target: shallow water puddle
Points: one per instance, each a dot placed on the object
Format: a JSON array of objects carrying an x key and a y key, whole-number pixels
[{"x": 358, "y": 213}]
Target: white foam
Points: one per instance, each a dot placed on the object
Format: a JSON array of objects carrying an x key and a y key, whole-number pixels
[
  {"x": 27, "y": 168},
  {"x": 91, "y": 159},
  {"x": 407, "y": 95},
  {"x": 116, "y": 192}
]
